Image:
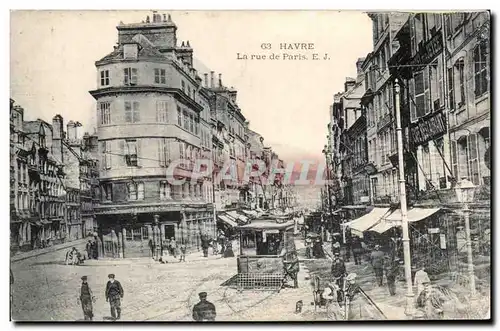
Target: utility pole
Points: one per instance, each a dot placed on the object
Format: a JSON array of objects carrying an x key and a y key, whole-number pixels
[{"x": 402, "y": 198}]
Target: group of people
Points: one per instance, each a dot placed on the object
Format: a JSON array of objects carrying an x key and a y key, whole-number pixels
[
  {"x": 113, "y": 294},
  {"x": 202, "y": 311},
  {"x": 92, "y": 249}
]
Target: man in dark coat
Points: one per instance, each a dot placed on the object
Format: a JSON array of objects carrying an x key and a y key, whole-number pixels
[
  {"x": 377, "y": 262},
  {"x": 204, "y": 310},
  {"x": 357, "y": 249},
  {"x": 114, "y": 294},
  {"x": 86, "y": 298},
  {"x": 205, "y": 242},
  {"x": 338, "y": 275}
]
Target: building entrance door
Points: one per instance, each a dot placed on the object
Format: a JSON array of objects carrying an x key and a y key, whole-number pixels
[{"x": 110, "y": 244}]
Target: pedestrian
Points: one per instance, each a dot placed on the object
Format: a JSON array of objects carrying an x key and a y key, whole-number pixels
[
  {"x": 183, "y": 252},
  {"x": 353, "y": 303},
  {"x": 377, "y": 262},
  {"x": 338, "y": 275},
  {"x": 391, "y": 272},
  {"x": 333, "y": 309},
  {"x": 173, "y": 247},
  {"x": 114, "y": 294},
  {"x": 431, "y": 300},
  {"x": 204, "y": 311},
  {"x": 228, "y": 252},
  {"x": 99, "y": 251},
  {"x": 357, "y": 249},
  {"x": 88, "y": 249},
  {"x": 204, "y": 245},
  {"x": 86, "y": 299},
  {"x": 420, "y": 277}
]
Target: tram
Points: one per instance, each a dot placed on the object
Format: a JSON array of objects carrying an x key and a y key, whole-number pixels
[{"x": 267, "y": 259}]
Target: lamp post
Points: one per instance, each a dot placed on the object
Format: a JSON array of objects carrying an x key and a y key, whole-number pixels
[
  {"x": 465, "y": 195},
  {"x": 328, "y": 193},
  {"x": 402, "y": 198}
]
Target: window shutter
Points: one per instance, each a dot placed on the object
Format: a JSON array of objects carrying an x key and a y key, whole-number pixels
[
  {"x": 121, "y": 149},
  {"x": 109, "y": 155}
]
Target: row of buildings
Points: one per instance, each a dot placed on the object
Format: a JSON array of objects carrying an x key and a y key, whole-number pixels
[
  {"x": 153, "y": 109},
  {"x": 441, "y": 62},
  {"x": 53, "y": 182}
]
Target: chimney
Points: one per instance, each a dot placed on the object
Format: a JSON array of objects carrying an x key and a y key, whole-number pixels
[
  {"x": 349, "y": 83},
  {"x": 57, "y": 125},
  {"x": 359, "y": 69},
  {"x": 211, "y": 79},
  {"x": 206, "y": 80},
  {"x": 220, "y": 80},
  {"x": 70, "y": 129}
]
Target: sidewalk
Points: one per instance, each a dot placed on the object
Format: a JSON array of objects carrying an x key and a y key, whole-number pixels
[{"x": 79, "y": 244}]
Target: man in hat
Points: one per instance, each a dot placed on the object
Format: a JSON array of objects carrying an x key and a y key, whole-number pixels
[
  {"x": 114, "y": 294},
  {"x": 86, "y": 298},
  {"x": 338, "y": 275},
  {"x": 204, "y": 310},
  {"x": 377, "y": 262},
  {"x": 353, "y": 303},
  {"x": 391, "y": 272},
  {"x": 420, "y": 277},
  {"x": 335, "y": 247}
]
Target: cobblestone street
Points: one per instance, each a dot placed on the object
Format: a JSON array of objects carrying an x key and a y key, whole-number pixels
[{"x": 46, "y": 289}]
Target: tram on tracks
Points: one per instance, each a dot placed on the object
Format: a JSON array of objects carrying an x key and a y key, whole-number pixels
[{"x": 267, "y": 259}]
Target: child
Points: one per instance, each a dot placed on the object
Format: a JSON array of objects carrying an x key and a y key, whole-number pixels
[{"x": 183, "y": 252}]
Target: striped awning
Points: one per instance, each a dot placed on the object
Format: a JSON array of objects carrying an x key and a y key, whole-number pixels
[
  {"x": 367, "y": 221},
  {"x": 227, "y": 220},
  {"x": 394, "y": 219}
]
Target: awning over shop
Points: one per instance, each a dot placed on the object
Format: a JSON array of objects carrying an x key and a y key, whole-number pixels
[
  {"x": 367, "y": 221},
  {"x": 227, "y": 220},
  {"x": 237, "y": 216},
  {"x": 354, "y": 207},
  {"x": 394, "y": 219}
]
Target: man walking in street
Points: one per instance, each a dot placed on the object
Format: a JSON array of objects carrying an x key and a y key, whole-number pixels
[
  {"x": 204, "y": 245},
  {"x": 391, "y": 272},
  {"x": 86, "y": 298},
  {"x": 338, "y": 275},
  {"x": 114, "y": 294},
  {"x": 357, "y": 249},
  {"x": 377, "y": 262},
  {"x": 204, "y": 311}
]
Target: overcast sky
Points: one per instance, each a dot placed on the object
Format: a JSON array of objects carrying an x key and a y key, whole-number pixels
[{"x": 53, "y": 55}]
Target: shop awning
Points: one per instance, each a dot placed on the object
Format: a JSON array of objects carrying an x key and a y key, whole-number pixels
[
  {"x": 238, "y": 216},
  {"x": 367, "y": 221},
  {"x": 394, "y": 219},
  {"x": 354, "y": 207},
  {"x": 227, "y": 220},
  {"x": 252, "y": 213}
]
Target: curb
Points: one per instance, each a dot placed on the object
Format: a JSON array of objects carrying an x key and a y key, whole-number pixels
[{"x": 30, "y": 254}]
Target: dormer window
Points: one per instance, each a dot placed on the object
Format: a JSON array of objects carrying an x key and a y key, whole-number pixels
[{"x": 130, "y": 51}]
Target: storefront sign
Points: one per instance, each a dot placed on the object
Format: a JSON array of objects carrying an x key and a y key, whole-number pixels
[
  {"x": 429, "y": 51},
  {"x": 427, "y": 129},
  {"x": 433, "y": 230}
]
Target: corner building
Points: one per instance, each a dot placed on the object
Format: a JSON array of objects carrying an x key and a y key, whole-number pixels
[{"x": 148, "y": 113}]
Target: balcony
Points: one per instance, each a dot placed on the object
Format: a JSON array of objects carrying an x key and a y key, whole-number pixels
[{"x": 384, "y": 121}]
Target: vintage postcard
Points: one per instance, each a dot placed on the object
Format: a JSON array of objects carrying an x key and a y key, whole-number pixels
[{"x": 213, "y": 166}]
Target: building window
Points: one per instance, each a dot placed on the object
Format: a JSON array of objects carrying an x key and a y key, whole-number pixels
[
  {"x": 104, "y": 77},
  {"x": 459, "y": 65},
  {"x": 451, "y": 88},
  {"x": 160, "y": 76},
  {"x": 107, "y": 191},
  {"x": 179, "y": 116},
  {"x": 106, "y": 155},
  {"x": 189, "y": 90},
  {"x": 105, "y": 112},
  {"x": 191, "y": 123},
  {"x": 132, "y": 114},
  {"x": 422, "y": 96},
  {"x": 165, "y": 190},
  {"x": 181, "y": 150},
  {"x": 135, "y": 191},
  {"x": 163, "y": 152},
  {"x": 183, "y": 86},
  {"x": 435, "y": 86},
  {"x": 186, "y": 120},
  {"x": 130, "y": 76},
  {"x": 131, "y": 153},
  {"x": 162, "y": 111},
  {"x": 473, "y": 159},
  {"x": 480, "y": 70}
]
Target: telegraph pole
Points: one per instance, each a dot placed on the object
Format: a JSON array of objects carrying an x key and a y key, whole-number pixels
[{"x": 404, "y": 212}]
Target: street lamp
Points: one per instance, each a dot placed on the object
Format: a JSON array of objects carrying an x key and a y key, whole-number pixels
[
  {"x": 465, "y": 195},
  {"x": 329, "y": 196}
]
